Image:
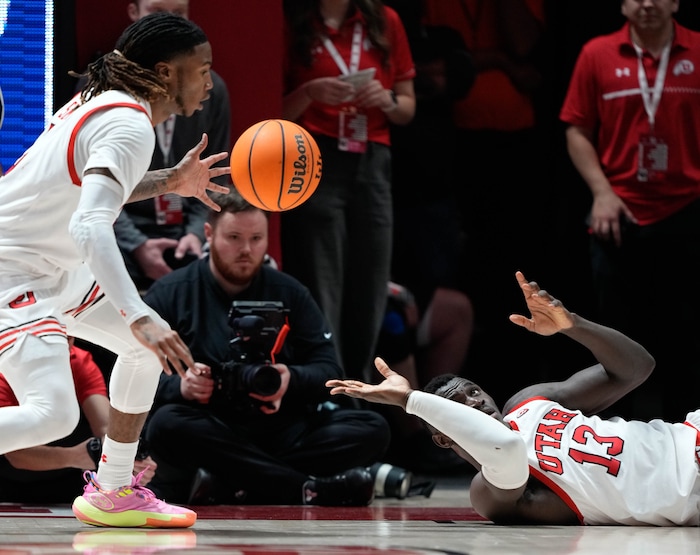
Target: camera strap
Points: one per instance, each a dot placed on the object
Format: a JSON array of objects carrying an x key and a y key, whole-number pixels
[{"x": 279, "y": 341}]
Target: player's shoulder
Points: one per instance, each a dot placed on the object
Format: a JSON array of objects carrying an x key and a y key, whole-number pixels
[
  {"x": 116, "y": 99},
  {"x": 105, "y": 106}
]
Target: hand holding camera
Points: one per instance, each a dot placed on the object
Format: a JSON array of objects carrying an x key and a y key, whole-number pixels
[
  {"x": 198, "y": 384},
  {"x": 270, "y": 404}
]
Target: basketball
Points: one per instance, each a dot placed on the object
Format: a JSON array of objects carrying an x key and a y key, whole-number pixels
[{"x": 276, "y": 165}]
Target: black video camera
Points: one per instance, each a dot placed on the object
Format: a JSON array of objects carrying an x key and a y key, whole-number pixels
[{"x": 259, "y": 329}]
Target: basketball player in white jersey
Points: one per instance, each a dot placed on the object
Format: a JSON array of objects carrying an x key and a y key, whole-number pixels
[
  {"x": 550, "y": 460},
  {"x": 62, "y": 274}
]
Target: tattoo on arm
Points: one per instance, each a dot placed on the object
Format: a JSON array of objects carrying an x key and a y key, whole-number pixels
[{"x": 153, "y": 184}]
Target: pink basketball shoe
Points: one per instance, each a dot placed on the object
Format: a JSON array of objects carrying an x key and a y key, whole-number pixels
[{"x": 132, "y": 506}]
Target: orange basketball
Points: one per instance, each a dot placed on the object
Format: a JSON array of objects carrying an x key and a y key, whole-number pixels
[{"x": 276, "y": 165}]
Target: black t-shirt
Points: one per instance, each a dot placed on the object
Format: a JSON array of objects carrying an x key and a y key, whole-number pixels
[{"x": 194, "y": 305}]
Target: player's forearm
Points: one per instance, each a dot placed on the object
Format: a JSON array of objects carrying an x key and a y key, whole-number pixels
[
  {"x": 91, "y": 227},
  {"x": 45, "y": 457},
  {"x": 623, "y": 358},
  {"x": 155, "y": 183}
]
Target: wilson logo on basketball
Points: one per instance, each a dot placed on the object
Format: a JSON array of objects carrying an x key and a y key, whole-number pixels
[
  {"x": 299, "y": 177},
  {"x": 276, "y": 165}
]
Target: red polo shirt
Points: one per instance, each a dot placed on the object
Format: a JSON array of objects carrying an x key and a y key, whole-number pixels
[
  {"x": 87, "y": 377},
  {"x": 323, "y": 119},
  {"x": 604, "y": 94}
]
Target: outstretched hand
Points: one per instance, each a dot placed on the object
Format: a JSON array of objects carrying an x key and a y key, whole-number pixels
[
  {"x": 165, "y": 343},
  {"x": 194, "y": 175},
  {"x": 547, "y": 314},
  {"x": 394, "y": 390}
]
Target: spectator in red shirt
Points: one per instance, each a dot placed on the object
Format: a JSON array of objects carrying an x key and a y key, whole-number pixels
[
  {"x": 634, "y": 136},
  {"x": 348, "y": 76},
  {"x": 53, "y": 473}
]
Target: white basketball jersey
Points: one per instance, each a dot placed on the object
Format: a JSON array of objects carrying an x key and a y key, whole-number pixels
[
  {"x": 613, "y": 471},
  {"x": 40, "y": 192}
]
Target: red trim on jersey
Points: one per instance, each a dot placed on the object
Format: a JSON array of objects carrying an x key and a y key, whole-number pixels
[
  {"x": 535, "y": 473},
  {"x": 557, "y": 490},
  {"x": 71, "y": 145},
  {"x": 12, "y": 167},
  {"x": 39, "y": 328},
  {"x": 697, "y": 439},
  {"x": 537, "y": 398},
  {"x": 92, "y": 298}
]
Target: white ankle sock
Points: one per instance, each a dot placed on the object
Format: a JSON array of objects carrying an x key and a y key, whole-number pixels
[{"x": 116, "y": 464}]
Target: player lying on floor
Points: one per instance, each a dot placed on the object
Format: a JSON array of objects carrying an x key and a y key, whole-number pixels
[{"x": 547, "y": 459}]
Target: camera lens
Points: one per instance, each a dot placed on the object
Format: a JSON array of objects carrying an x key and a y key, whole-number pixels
[
  {"x": 262, "y": 379},
  {"x": 390, "y": 480}
]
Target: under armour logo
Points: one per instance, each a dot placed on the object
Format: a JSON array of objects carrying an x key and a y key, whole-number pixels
[
  {"x": 327, "y": 335},
  {"x": 623, "y": 72}
]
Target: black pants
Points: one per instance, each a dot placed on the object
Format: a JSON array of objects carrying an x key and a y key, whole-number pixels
[
  {"x": 257, "y": 463},
  {"x": 648, "y": 289}
]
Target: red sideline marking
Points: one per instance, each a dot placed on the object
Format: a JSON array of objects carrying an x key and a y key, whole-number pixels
[
  {"x": 280, "y": 512},
  {"x": 287, "y": 512},
  {"x": 7, "y": 508}
]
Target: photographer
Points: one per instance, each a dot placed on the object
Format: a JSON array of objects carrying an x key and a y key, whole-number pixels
[
  {"x": 288, "y": 447},
  {"x": 53, "y": 473}
]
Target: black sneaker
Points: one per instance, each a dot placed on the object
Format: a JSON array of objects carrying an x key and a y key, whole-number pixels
[
  {"x": 207, "y": 489},
  {"x": 202, "y": 489},
  {"x": 352, "y": 488}
]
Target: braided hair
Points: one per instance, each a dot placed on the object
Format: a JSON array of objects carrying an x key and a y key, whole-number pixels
[{"x": 158, "y": 37}]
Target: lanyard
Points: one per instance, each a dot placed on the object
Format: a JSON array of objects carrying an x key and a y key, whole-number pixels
[
  {"x": 652, "y": 97},
  {"x": 354, "y": 51}
]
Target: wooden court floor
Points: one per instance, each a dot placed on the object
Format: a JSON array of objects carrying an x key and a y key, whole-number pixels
[{"x": 443, "y": 523}]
